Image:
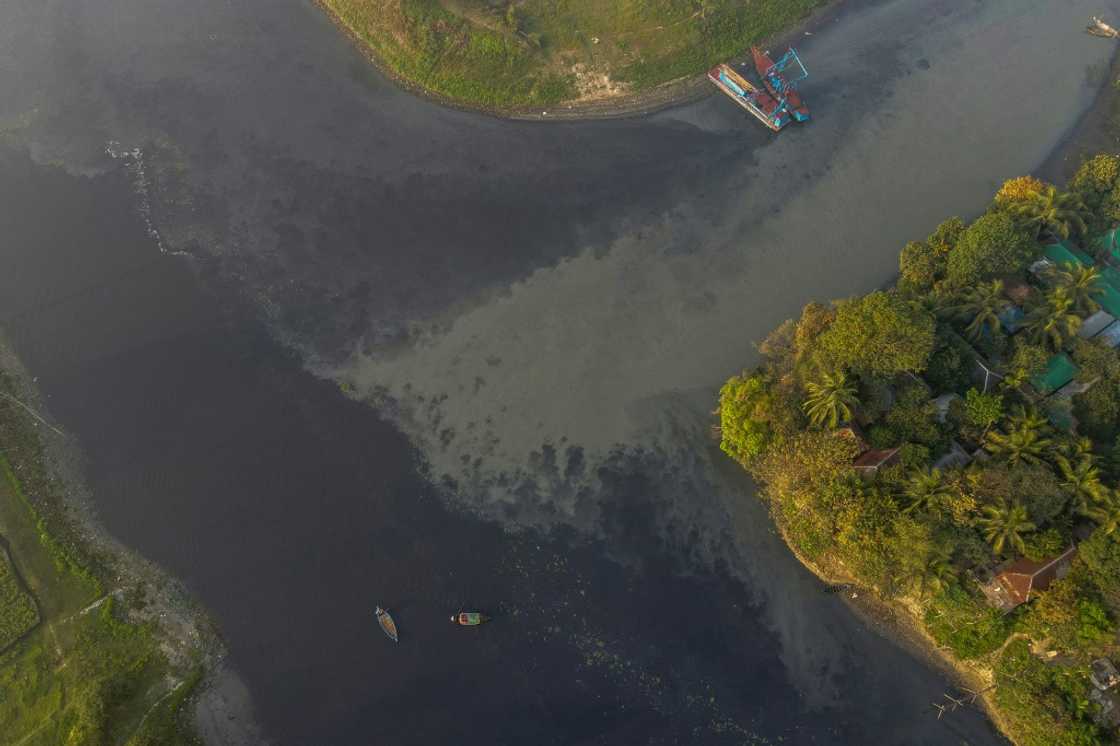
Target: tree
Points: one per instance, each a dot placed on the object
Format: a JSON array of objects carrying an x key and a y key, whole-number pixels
[
  {"x": 1025, "y": 440},
  {"x": 920, "y": 266},
  {"x": 1027, "y": 361},
  {"x": 980, "y": 306},
  {"x": 878, "y": 334},
  {"x": 744, "y": 431},
  {"x": 1080, "y": 283},
  {"x": 992, "y": 245},
  {"x": 1051, "y": 322},
  {"x": 1018, "y": 190},
  {"x": 830, "y": 400},
  {"x": 1080, "y": 477},
  {"x": 982, "y": 410},
  {"x": 926, "y": 490},
  {"x": 1054, "y": 212},
  {"x": 1096, "y": 184},
  {"x": 1105, "y": 511},
  {"x": 1004, "y": 524}
]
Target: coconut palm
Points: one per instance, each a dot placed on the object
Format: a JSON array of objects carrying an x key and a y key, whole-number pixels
[
  {"x": 937, "y": 573},
  {"x": 926, "y": 489},
  {"x": 1052, "y": 211},
  {"x": 980, "y": 306},
  {"x": 1081, "y": 284},
  {"x": 1025, "y": 441},
  {"x": 1004, "y": 524},
  {"x": 1051, "y": 322},
  {"x": 1106, "y": 512},
  {"x": 830, "y": 400},
  {"x": 1081, "y": 477}
]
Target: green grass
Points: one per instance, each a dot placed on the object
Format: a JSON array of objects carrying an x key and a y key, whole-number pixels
[
  {"x": 86, "y": 674},
  {"x": 503, "y": 54},
  {"x": 18, "y": 613}
]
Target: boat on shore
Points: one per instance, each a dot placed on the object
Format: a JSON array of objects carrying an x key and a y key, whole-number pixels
[
  {"x": 469, "y": 618},
  {"x": 388, "y": 626},
  {"x": 758, "y": 102},
  {"x": 778, "y": 85}
]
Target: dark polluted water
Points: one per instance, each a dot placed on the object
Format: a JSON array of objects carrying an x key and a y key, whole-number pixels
[
  {"x": 535, "y": 317},
  {"x": 291, "y": 510}
]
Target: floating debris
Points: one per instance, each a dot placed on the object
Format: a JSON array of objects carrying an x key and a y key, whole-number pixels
[{"x": 1097, "y": 27}]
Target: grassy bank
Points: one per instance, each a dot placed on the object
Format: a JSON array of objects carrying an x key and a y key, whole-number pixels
[
  {"x": 919, "y": 441},
  {"x": 514, "y": 54},
  {"x": 94, "y": 670}
]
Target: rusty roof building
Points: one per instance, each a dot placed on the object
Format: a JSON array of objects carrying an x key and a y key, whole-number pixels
[{"x": 1016, "y": 581}]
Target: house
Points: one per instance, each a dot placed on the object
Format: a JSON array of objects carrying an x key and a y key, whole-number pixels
[
  {"x": 1103, "y": 674},
  {"x": 1095, "y": 324},
  {"x": 956, "y": 458},
  {"x": 943, "y": 403},
  {"x": 1016, "y": 581},
  {"x": 1016, "y": 291},
  {"x": 1060, "y": 370},
  {"x": 869, "y": 462}
]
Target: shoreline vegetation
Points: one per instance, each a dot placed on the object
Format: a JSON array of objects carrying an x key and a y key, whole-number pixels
[
  {"x": 569, "y": 58},
  {"x": 949, "y": 448},
  {"x": 96, "y": 646}
]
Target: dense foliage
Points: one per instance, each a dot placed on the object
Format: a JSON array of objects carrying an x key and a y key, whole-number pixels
[
  {"x": 957, "y": 376},
  {"x": 18, "y": 613}
]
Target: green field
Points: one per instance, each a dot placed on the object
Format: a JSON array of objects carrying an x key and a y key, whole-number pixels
[
  {"x": 90, "y": 673},
  {"x": 506, "y": 55}
]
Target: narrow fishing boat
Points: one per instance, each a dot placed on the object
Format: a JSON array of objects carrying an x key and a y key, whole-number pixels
[
  {"x": 780, "y": 84},
  {"x": 755, "y": 100},
  {"x": 387, "y": 624},
  {"x": 469, "y": 618}
]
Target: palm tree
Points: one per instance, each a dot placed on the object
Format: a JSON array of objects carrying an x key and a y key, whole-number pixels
[
  {"x": 1106, "y": 512},
  {"x": 1081, "y": 284},
  {"x": 1005, "y": 524},
  {"x": 1025, "y": 441},
  {"x": 937, "y": 573},
  {"x": 1081, "y": 477},
  {"x": 1053, "y": 211},
  {"x": 1052, "y": 322},
  {"x": 980, "y": 306},
  {"x": 926, "y": 490},
  {"x": 831, "y": 399}
]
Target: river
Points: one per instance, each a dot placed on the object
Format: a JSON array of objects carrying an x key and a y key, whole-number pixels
[{"x": 325, "y": 344}]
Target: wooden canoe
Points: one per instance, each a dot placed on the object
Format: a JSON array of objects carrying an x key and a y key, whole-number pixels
[
  {"x": 469, "y": 618},
  {"x": 387, "y": 624}
]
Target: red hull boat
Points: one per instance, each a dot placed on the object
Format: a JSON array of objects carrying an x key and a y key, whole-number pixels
[{"x": 778, "y": 86}]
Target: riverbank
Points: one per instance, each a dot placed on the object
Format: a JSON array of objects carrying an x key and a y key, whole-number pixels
[
  {"x": 598, "y": 97},
  {"x": 120, "y": 650},
  {"x": 888, "y": 471}
]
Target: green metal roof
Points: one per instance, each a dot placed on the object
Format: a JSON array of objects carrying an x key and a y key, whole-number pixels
[
  {"x": 1060, "y": 254},
  {"x": 1109, "y": 300},
  {"x": 1110, "y": 241},
  {"x": 1060, "y": 370}
]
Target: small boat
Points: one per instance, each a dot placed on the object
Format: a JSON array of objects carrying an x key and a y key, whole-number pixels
[
  {"x": 758, "y": 102},
  {"x": 469, "y": 618},
  {"x": 778, "y": 85},
  {"x": 387, "y": 624}
]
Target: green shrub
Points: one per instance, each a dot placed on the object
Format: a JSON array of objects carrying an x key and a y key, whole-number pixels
[{"x": 968, "y": 626}]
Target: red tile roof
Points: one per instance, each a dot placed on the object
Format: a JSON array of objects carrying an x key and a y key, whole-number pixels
[
  {"x": 1023, "y": 576},
  {"x": 875, "y": 458}
]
